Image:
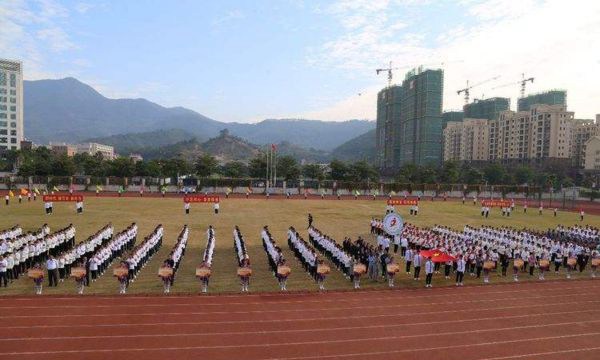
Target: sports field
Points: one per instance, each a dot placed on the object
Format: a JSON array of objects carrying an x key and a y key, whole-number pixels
[{"x": 338, "y": 218}]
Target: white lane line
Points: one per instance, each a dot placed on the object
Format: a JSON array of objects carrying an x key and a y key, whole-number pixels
[
  {"x": 395, "y": 298},
  {"x": 355, "y": 317},
  {"x": 543, "y": 353},
  {"x": 321, "y": 318},
  {"x": 531, "y": 284},
  {"x": 365, "y": 307},
  {"x": 301, "y": 343},
  {"x": 311, "y": 330}
]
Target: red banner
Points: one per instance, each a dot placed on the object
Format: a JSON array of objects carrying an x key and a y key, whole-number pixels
[
  {"x": 403, "y": 202},
  {"x": 201, "y": 199},
  {"x": 72, "y": 198},
  {"x": 498, "y": 203}
]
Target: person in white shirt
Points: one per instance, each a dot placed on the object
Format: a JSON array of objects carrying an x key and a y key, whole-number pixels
[
  {"x": 216, "y": 207},
  {"x": 52, "y": 267},
  {"x": 3, "y": 271},
  {"x": 186, "y": 207},
  {"x": 428, "y": 272},
  {"x": 460, "y": 270},
  {"x": 79, "y": 207},
  {"x": 6, "y": 199}
]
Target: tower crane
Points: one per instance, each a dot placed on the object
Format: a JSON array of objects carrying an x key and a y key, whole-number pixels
[
  {"x": 468, "y": 88},
  {"x": 390, "y": 69},
  {"x": 523, "y": 82}
]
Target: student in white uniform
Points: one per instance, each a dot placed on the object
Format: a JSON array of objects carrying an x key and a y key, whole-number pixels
[
  {"x": 186, "y": 207},
  {"x": 428, "y": 272},
  {"x": 79, "y": 207},
  {"x": 460, "y": 270},
  {"x": 216, "y": 207}
]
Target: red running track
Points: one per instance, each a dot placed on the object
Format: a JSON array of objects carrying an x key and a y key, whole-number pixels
[{"x": 551, "y": 320}]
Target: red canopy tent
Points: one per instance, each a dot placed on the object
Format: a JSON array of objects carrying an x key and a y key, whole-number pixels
[{"x": 437, "y": 256}]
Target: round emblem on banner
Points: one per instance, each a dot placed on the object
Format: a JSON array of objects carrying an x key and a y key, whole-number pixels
[{"x": 393, "y": 224}]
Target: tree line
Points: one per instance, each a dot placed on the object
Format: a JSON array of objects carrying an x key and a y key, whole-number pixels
[{"x": 43, "y": 162}]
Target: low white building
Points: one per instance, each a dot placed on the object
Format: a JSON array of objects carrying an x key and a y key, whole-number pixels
[{"x": 107, "y": 151}]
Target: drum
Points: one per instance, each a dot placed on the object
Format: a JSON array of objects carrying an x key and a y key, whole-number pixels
[
  {"x": 360, "y": 269},
  {"x": 392, "y": 268},
  {"x": 165, "y": 272},
  {"x": 595, "y": 262},
  {"x": 323, "y": 269},
  {"x": 283, "y": 270},
  {"x": 203, "y": 272},
  {"x": 35, "y": 273},
  {"x": 572, "y": 262},
  {"x": 120, "y": 272},
  {"x": 243, "y": 271},
  {"x": 78, "y": 272},
  {"x": 544, "y": 264},
  {"x": 518, "y": 263},
  {"x": 489, "y": 265}
]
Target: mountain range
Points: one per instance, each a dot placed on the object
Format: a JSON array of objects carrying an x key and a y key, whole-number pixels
[{"x": 67, "y": 110}]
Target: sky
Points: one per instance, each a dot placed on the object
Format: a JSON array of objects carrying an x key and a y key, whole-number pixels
[{"x": 250, "y": 60}]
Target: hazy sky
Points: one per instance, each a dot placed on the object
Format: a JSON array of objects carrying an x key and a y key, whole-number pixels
[{"x": 249, "y": 60}]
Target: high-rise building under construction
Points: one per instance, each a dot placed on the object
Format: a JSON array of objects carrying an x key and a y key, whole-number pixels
[
  {"x": 409, "y": 121},
  {"x": 552, "y": 97}
]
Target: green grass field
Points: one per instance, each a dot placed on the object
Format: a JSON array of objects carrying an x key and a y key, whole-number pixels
[{"x": 336, "y": 218}]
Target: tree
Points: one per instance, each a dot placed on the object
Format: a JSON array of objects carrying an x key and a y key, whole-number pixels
[
  {"x": 313, "y": 171},
  {"x": 408, "y": 173},
  {"x": 428, "y": 174},
  {"x": 63, "y": 166},
  {"x": 450, "y": 173},
  {"x": 362, "y": 171},
  {"x": 288, "y": 168},
  {"x": 122, "y": 167},
  {"x": 339, "y": 170},
  {"x": 175, "y": 167},
  {"x": 235, "y": 169},
  {"x": 257, "y": 167},
  {"x": 206, "y": 165},
  {"x": 494, "y": 174},
  {"x": 523, "y": 175}
]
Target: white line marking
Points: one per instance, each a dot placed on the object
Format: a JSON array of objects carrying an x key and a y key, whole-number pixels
[
  {"x": 301, "y": 343},
  {"x": 368, "y": 307},
  {"x": 321, "y": 318},
  {"x": 395, "y": 298},
  {"x": 266, "y": 332},
  {"x": 532, "y": 284},
  {"x": 542, "y": 354}
]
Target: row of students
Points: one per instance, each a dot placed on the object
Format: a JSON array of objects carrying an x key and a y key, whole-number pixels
[
  {"x": 18, "y": 239},
  {"x": 239, "y": 245},
  {"x": 108, "y": 252},
  {"x": 11, "y": 233},
  {"x": 275, "y": 257},
  {"x": 303, "y": 251},
  {"x": 143, "y": 252},
  {"x": 174, "y": 258},
  {"x": 332, "y": 250},
  {"x": 207, "y": 257}
]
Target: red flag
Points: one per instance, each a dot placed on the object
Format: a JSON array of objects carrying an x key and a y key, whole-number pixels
[
  {"x": 437, "y": 256},
  {"x": 273, "y": 147}
]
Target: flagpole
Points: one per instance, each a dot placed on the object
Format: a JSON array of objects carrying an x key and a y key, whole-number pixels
[
  {"x": 267, "y": 177},
  {"x": 275, "y": 166}
]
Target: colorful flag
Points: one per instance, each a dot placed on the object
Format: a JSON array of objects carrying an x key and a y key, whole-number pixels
[
  {"x": 273, "y": 147},
  {"x": 249, "y": 189},
  {"x": 392, "y": 193},
  {"x": 24, "y": 192},
  {"x": 376, "y": 192},
  {"x": 356, "y": 192},
  {"x": 98, "y": 188},
  {"x": 36, "y": 190},
  {"x": 11, "y": 194},
  {"x": 228, "y": 190},
  {"x": 55, "y": 189},
  {"x": 120, "y": 189}
]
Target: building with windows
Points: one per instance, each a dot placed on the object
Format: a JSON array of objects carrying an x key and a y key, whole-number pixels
[
  {"x": 583, "y": 130},
  {"x": 388, "y": 122},
  {"x": 409, "y": 121},
  {"x": 11, "y": 104},
  {"x": 544, "y": 133},
  {"x": 63, "y": 149},
  {"x": 467, "y": 140},
  {"x": 108, "y": 152},
  {"x": 591, "y": 158},
  {"x": 451, "y": 116},
  {"x": 486, "y": 109},
  {"x": 552, "y": 97}
]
